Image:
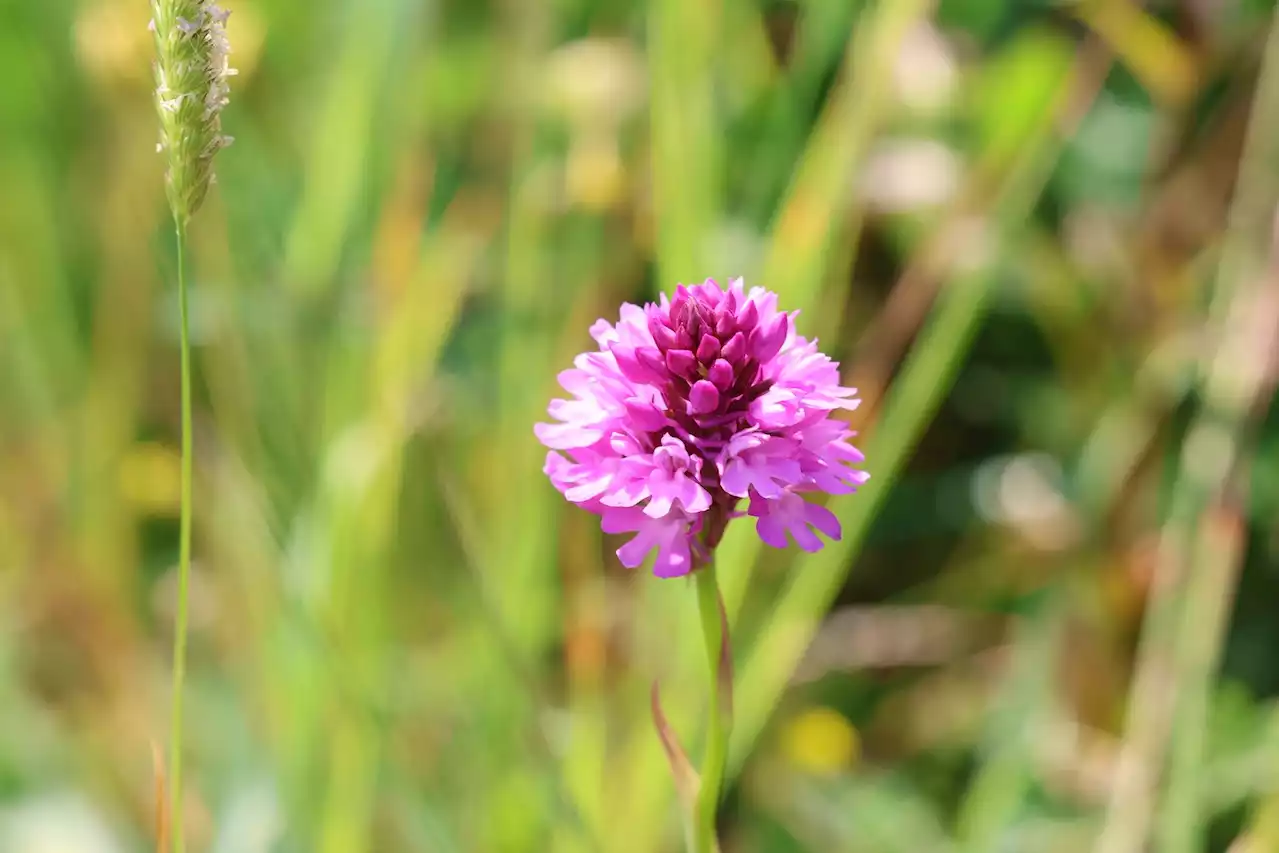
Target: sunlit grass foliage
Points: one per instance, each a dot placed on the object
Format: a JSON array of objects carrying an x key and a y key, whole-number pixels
[{"x": 1040, "y": 238}]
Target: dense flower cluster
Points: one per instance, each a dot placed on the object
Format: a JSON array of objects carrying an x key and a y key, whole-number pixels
[
  {"x": 191, "y": 89},
  {"x": 692, "y": 405}
]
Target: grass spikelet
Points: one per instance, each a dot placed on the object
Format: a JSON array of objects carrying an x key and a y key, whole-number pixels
[{"x": 191, "y": 72}]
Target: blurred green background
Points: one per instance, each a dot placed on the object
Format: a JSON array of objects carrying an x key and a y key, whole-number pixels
[{"x": 1040, "y": 236}]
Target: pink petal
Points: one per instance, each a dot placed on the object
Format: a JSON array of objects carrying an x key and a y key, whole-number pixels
[
  {"x": 735, "y": 479},
  {"x": 735, "y": 348},
  {"x": 658, "y": 506},
  {"x": 805, "y": 538},
  {"x": 692, "y": 497},
  {"x": 708, "y": 348},
  {"x": 651, "y": 359},
  {"x": 645, "y": 415},
  {"x": 704, "y": 397},
  {"x": 662, "y": 335},
  {"x": 771, "y": 531},
  {"x": 630, "y": 366},
  {"x": 634, "y": 552},
  {"x": 823, "y": 519},
  {"x": 726, "y": 323},
  {"x": 567, "y": 436},
  {"x": 602, "y": 332},
  {"x": 721, "y": 374},
  {"x": 661, "y": 494},
  {"x": 588, "y": 489},
  {"x": 623, "y": 445},
  {"x": 673, "y": 557},
  {"x": 577, "y": 381},
  {"x": 681, "y": 362},
  {"x": 767, "y": 340},
  {"x": 626, "y": 493},
  {"x": 763, "y": 483},
  {"x": 555, "y": 465},
  {"x": 622, "y": 520}
]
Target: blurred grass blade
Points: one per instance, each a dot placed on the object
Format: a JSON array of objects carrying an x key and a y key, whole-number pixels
[
  {"x": 1231, "y": 376},
  {"x": 1150, "y": 50},
  {"x": 822, "y": 199},
  {"x": 861, "y": 813},
  {"x": 343, "y": 140},
  {"x": 686, "y": 136},
  {"x": 921, "y": 386},
  {"x": 682, "y": 773},
  {"x": 160, "y": 798},
  {"x": 914, "y": 398},
  {"x": 1210, "y": 544},
  {"x": 533, "y": 317},
  {"x": 686, "y": 778},
  {"x": 996, "y": 796}
]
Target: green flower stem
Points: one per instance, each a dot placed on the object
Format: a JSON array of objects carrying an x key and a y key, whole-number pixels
[
  {"x": 184, "y": 555},
  {"x": 720, "y": 712}
]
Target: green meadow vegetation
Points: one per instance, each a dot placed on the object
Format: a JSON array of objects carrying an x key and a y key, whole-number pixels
[{"x": 1039, "y": 236}]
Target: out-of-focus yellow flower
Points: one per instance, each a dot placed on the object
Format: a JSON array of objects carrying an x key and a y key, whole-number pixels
[
  {"x": 594, "y": 86},
  {"x": 595, "y": 83},
  {"x": 150, "y": 479},
  {"x": 594, "y": 176},
  {"x": 112, "y": 41},
  {"x": 821, "y": 741}
]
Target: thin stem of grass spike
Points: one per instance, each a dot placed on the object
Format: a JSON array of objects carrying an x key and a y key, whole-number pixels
[
  {"x": 184, "y": 555},
  {"x": 719, "y": 708}
]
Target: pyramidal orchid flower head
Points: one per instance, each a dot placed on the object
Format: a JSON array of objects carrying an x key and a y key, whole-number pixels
[{"x": 688, "y": 408}]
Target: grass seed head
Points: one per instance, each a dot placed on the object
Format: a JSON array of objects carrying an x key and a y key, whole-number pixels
[{"x": 191, "y": 72}]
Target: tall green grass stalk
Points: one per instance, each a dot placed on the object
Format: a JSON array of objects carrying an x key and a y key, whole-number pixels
[
  {"x": 719, "y": 707},
  {"x": 191, "y": 73},
  {"x": 685, "y": 131},
  {"x": 184, "y": 544}
]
